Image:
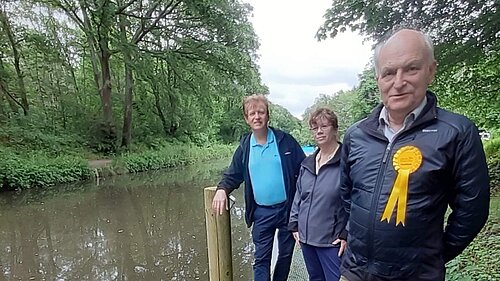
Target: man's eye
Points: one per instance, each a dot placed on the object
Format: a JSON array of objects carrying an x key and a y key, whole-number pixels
[
  {"x": 413, "y": 68},
  {"x": 387, "y": 74}
]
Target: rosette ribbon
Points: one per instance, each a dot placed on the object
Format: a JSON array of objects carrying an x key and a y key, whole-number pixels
[{"x": 406, "y": 161}]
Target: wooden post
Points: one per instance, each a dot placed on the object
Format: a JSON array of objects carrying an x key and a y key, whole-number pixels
[{"x": 220, "y": 262}]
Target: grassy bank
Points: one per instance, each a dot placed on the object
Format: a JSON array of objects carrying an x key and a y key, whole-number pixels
[
  {"x": 165, "y": 156},
  {"x": 481, "y": 260},
  {"x": 22, "y": 169}
]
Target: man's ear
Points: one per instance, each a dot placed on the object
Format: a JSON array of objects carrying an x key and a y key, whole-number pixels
[{"x": 432, "y": 71}]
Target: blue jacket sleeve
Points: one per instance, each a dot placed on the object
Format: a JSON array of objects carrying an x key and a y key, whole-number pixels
[
  {"x": 470, "y": 199},
  {"x": 233, "y": 176},
  {"x": 300, "y": 156}
]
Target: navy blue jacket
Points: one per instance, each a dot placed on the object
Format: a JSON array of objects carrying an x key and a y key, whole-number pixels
[
  {"x": 291, "y": 156},
  {"x": 453, "y": 173}
]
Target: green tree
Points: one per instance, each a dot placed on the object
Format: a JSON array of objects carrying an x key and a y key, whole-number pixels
[
  {"x": 282, "y": 119},
  {"x": 466, "y": 42},
  {"x": 463, "y": 30},
  {"x": 180, "y": 68}
]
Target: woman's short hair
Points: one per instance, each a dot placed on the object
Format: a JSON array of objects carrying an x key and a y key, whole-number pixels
[
  {"x": 326, "y": 113},
  {"x": 255, "y": 99}
]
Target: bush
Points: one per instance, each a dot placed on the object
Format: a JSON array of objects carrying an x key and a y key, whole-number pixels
[
  {"x": 481, "y": 259},
  {"x": 171, "y": 155},
  {"x": 27, "y": 137},
  {"x": 492, "y": 147},
  {"x": 39, "y": 170},
  {"x": 492, "y": 150}
]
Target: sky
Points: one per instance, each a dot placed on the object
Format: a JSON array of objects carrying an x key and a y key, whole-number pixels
[{"x": 293, "y": 64}]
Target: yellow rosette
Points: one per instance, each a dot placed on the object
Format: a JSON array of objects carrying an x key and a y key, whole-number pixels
[{"x": 406, "y": 161}]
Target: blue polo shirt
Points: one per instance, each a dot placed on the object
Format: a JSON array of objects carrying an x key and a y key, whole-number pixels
[{"x": 266, "y": 173}]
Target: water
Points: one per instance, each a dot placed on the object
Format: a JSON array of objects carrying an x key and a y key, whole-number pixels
[
  {"x": 308, "y": 149},
  {"x": 148, "y": 226}
]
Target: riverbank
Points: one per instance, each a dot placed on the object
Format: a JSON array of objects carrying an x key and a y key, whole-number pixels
[{"x": 38, "y": 169}]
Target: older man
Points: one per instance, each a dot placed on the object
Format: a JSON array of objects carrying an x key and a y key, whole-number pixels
[{"x": 403, "y": 166}]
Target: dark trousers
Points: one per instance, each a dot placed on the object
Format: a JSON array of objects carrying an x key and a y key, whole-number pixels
[
  {"x": 266, "y": 221},
  {"x": 322, "y": 263}
]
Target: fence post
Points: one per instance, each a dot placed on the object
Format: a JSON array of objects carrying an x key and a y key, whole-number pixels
[{"x": 220, "y": 266}]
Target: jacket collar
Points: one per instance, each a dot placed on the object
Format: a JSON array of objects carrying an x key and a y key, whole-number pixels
[
  {"x": 278, "y": 135},
  {"x": 310, "y": 162},
  {"x": 429, "y": 112}
]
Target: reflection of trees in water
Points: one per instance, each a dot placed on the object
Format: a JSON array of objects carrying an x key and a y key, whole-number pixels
[{"x": 145, "y": 227}]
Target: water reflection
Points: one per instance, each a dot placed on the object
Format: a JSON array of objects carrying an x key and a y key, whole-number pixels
[{"x": 140, "y": 227}]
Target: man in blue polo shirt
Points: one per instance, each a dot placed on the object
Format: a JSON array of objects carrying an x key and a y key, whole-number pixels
[{"x": 268, "y": 161}]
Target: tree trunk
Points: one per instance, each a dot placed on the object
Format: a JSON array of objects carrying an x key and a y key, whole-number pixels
[
  {"x": 17, "y": 62},
  {"x": 89, "y": 34},
  {"x": 105, "y": 90},
  {"x": 127, "y": 107},
  {"x": 161, "y": 115},
  {"x": 129, "y": 86},
  {"x": 4, "y": 92}
]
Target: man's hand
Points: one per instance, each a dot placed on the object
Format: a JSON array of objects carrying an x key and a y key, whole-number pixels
[
  {"x": 219, "y": 203},
  {"x": 343, "y": 245},
  {"x": 296, "y": 237}
]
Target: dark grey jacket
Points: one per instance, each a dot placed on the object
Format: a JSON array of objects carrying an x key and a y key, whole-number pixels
[
  {"x": 317, "y": 203},
  {"x": 453, "y": 173}
]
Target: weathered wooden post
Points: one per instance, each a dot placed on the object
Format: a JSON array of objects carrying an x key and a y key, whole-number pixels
[{"x": 220, "y": 262}]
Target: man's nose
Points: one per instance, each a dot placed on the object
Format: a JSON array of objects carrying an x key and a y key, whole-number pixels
[{"x": 399, "y": 79}]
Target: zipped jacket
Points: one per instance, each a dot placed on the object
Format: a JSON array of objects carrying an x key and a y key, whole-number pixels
[
  {"x": 291, "y": 154},
  {"x": 453, "y": 173},
  {"x": 317, "y": 204}
]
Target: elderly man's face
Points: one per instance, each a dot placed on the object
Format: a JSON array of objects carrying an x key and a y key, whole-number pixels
[{"x": 405, "y": 71}]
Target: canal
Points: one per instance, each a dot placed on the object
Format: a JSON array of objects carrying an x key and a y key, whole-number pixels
[{"x": 147, "y": 226}]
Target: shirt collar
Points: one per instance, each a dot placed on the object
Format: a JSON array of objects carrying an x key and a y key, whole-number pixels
[
  {"x": 384, "y": 116},
  {"x": 270, "y": 138}
]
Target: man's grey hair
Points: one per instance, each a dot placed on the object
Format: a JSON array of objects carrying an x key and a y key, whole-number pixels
[{"x": 388, "y": 35}]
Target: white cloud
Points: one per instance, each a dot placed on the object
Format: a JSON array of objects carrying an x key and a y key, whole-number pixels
[{"x": 294, "y": 65}]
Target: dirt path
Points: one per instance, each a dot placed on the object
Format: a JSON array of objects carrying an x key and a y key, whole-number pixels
[{"x": 99, "y": 163}]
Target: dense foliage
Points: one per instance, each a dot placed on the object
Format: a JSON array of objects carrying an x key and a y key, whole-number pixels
[
  {"x": 352, "y": 105},
  {"x": 168, "y": 155},
  {"x": 34, "y": 159},
  {"x": 116, "y": 71},
  {"x": 480, "y": 260},
  {"x": 152, "y": 84}
]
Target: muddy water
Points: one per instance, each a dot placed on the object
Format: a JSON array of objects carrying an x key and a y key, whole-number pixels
[{"x": 149, "y": 226}]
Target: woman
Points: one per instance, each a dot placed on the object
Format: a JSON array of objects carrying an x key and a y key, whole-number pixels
[{"x": 315, "y": 211}]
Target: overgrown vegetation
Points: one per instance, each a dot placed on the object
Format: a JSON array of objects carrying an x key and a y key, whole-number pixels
[
  {"x": 149, "y": 84},
  {"x": 115, "y": 73},
  {"x": 19, "y": 171},
  {"x": 35, "y": 157},
  {"x": 492, "y": 149},
  {"x": 170, "y": 156},
  {"x": 481, "y": 260}
]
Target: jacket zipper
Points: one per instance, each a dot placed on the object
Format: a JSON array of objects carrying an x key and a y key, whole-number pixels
[
  {"x": 378, "y": 187},
  {"x": 309, "y": 209},
  {"x": 375, "y": 199}
]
